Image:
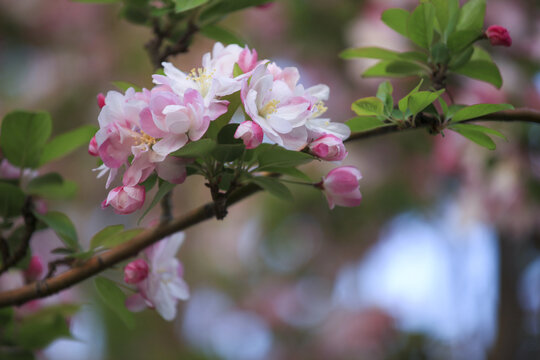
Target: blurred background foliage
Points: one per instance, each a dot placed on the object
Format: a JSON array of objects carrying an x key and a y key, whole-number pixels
[{"x": 441, "y": 260}]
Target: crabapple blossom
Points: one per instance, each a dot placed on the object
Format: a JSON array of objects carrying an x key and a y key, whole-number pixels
[
  {"x": 125, "y": 199},
  {"x": 341, "y": 188},
  {"x": 498, "y": 35},
  {"x": 164, "y": 285},
  {"x": 136, "y": 271},
  {"x": 247, "y": 60},
  {"x": 328, "y": 147},
  {"x": 250, "y": 133},
  {"x": 34, "y": 270}
]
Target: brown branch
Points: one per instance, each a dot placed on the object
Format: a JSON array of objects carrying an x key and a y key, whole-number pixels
[
  {"x": 30, "y": 227},
  {"x": 129, "y": 249},
  {"x": 119, "y": 253}
]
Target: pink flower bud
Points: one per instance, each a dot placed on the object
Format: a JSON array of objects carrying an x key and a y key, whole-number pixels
[
  {"x": 93, "y": 147},
  {"x": 136, "y": 271},
  {"x": 328, "y": 147},
  {"x": 498, "y": 35},
  {"x": 251, "y": 133},
  {"x": 247, "y": 60},
  {"x": 125, "y": 199},
  {"x": 34, "y": 270},
  {"x": 101, "y": 100},
  {"x": 341, "y": 187}
]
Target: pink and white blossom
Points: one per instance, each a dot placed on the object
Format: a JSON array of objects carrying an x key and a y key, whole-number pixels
[
  {"x": 250, "y": 133},
  {"x": 164, "y": 285},
  {"x": 125, "y": 199},
  {"x": 328, "y": 147},
  {"x": 93, "y": 147},
  {"x": 341, "y": 187}
]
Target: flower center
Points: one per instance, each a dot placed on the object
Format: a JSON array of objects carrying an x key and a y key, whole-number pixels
[
  {"x": 319, "y": 109},
  {"x": 146, "y": 139},
  {"x": 202, "y": 78},
  {"x": 269, "y": 108}
]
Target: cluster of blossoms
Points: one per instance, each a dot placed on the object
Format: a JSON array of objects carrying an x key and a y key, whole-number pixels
[{"x": 140, "y": 130}]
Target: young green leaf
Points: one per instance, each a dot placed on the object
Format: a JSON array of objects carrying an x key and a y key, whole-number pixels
[
  {"x": 102, "y": 236},
  {"x": 185, "y": 5},
  {"x": 420, "y": 25},
  {"x": 65, "y": 143},
  {"x": 115, "y": 299},
  {"x": 51, "y": 186},
  {"x": 422, "y": 99},
  {"x": 222, "y": 35},
  {"x": 404, "y": 103},
  {"x": 273, "y": 186},
  {"x": 384, "y": 92},
  {"x": 475, "y": 111},
  {"x": 23, "y": 137},
  {"x": 477, "y": 137},
  {"x": 447, "y": 13},
  {"x": 460, "y": 40},
  {"x": 290, "y": 171},
  {"x": 364, "y": 123},
  {"x": 275, "y": 156},
  {"x": 11, "y": 200},
  {"x": 440, "y": 54},
  {"x": 390, "y": 68},
  {"x": 480, "y": 128},
  {"x": 396, "y": 19},
  {"x": 226, "y": 135},
  {"x": 482, "y": 70},
  {"x": 472, "y": 15},
  {"x": 196, "y": 149},
  {"x": 370, "y": 106},
  {"x": 227, "y": 152},
  {"x": 62, "y": 226}
]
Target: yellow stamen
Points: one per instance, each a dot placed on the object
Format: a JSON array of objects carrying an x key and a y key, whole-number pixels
[
  {"x": 269, "y": 108},
  {"x": 202, "y": 78},
  {"x": 144, "y": 138},
  {"x": 319, "y": 108}
]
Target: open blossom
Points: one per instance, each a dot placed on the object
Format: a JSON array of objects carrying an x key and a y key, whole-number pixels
[
  {"x": 341, "y": 187},
  {"x": 498, "y": 35},
  {"x": 164, "y": 285},
  {"x": 250, "y": 133},
  {"x": 328, "y": 147},
  {"x": 125, "y": 199}
]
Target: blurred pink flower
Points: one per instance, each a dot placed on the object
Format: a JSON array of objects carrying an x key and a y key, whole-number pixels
[
  {"x": 136, "y": 271},
  {"x": 34, "y": 270}
]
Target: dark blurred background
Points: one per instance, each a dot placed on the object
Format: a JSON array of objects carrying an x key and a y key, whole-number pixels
[{"x": 441, "y": 260}]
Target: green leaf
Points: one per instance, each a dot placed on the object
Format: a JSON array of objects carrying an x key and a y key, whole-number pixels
[
  {"x": 444, "y": 10},
  {"x": 11, "y": 200},
  {"x": 115, "y": 299},
  {"x": 477, "y": 137},
  {"x": 472, "y": 15},
  {"x": 118, "y": 238},
  {"x": 216, "y": 125},
  {"x": 226, "y": 135},
  {"x": 66, "y": 143},
  {"x": 102, "y": 236},
  {"x": 462, "y": 58},
  {"x": 384, "y": 92},
  {"x": 290, "y": 171},
  {"x": 273, "y": 186},
  {"x": 51, "y": 186},
  {"x": 444, "y": 107},
  {"x": 164, "y": 188},
  {"x": 225, "y": 7},
  {"x": 62, "y": 226},
  {"x": 370, "y": 106},
  {"x": 228, "y": 152},
  {"x": 414, "y": 56},
  {"x": 422, "y": 99},
  {"x": 275, "y": 156},
  {"x": 364, "y": 123},
  {"x": 196, "y": 149},
  {"x": 420, "y": 25},
  {"x": 370, "y": 53},
  {"x": 221, "y": 34},
  {"x": 23, "y": 137},
  {"x": 480, "y": 128},
  {"x": 404, "y": 103},
  {"x": 390, "y": 68},
  {"x": 482, "y": 70},
  {"x": 97, "y": 1},
  {"x": 149, "y": 182},
  {"x": 440, "y": 54},
  {"x": 185, "y": 5},
  {"x": 460, "y": 40},
  {"x": 396, "y": 19},
  {"x": 124, "y": 86},
  {"x": 38, "y": 330},
  {"x": 475, "y": 111}
]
